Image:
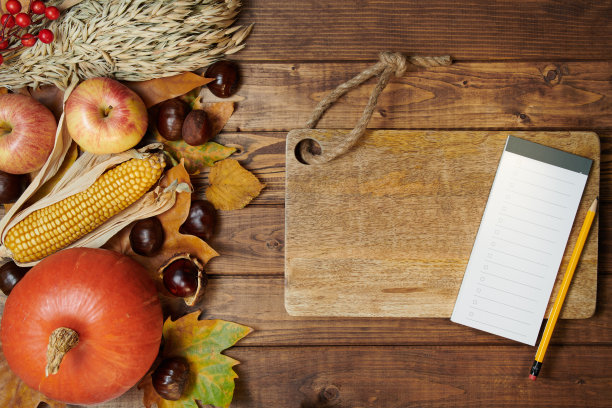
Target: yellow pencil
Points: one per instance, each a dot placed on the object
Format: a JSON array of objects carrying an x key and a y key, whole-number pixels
[{"x": 569, "y": 273}]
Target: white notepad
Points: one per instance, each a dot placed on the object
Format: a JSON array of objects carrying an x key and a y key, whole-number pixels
[{"x": 520, "y": 243}]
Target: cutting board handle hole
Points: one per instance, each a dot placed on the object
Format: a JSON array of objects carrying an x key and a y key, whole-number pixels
[{"x": 307, "y": 146}]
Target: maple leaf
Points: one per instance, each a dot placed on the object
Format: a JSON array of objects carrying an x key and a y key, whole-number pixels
[
  {"x": 231, "y": 186},
  {"x": 158, "y": 90},
  {"x": 200, "y": 342},
  {"x": 16, "y": 394}
]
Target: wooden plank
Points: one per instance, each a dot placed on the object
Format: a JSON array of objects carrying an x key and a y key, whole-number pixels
[
  {"x": 325, "y": 377},
  {"x": 387, "y": 228},
  {"x": 503, "y": 95},
  {"x": 317, "y": 377},
  {"x": 250, "y": 241},
  {"x": 258, "y": 303},
  {"x": 475, "y": 30}
]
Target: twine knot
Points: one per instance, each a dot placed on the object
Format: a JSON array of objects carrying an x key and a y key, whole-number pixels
[{"x": 396, "y": 61}]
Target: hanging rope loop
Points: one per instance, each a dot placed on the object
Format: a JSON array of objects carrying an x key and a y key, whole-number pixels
[{"x": 390, "y": 63}]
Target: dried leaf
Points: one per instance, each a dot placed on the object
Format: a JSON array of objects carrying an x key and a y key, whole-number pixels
[
  {"x": 16, "y": 394},
  {"x": 218, "y": 113},
  {"x": 174, "y": 241},
  {"x": 198, "y": 157},
  {"x": 231, "y": 186},
  {"x": 69, "y": 159},
  {"x": 50, "y": 96},
  {"x": 158, "y": 90},
  {"x": 201, "y": 343}
]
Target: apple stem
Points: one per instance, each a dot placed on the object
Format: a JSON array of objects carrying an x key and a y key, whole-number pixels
[{"x": 107, "y": 111}]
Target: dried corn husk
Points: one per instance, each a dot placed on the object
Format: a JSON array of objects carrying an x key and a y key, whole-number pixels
[
  {"x": 82, "y": 174},
  {"x": 133, "y": 40}
]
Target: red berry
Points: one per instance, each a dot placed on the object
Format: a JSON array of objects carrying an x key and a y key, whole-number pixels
[
  {"x": 23, "y": 20},
  {"x": 7, "y": 20},
  {"x": 28, "y": 40},
  {"x": 1, "y": 59},
  {"x": 52, "y": 13},
  {"x": 38, "y": 7},
  {"x": 4, "y": 44},
  {"x": 45, "y": 36},
  {"x": 13, "y": 6}
]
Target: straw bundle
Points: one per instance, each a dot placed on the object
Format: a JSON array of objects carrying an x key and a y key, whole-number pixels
[{"x": 133, "y": 40}]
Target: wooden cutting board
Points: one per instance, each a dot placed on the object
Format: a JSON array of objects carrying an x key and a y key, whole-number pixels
[{"x": 387, "y": 228}]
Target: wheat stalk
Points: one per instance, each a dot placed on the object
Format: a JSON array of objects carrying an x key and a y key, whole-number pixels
[{"x": 132, "y": 40}]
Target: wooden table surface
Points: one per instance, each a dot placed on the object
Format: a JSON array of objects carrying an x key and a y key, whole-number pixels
[{"x": 519, "y": 65}]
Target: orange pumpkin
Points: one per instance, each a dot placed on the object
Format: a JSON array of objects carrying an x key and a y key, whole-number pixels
[{"x": 108, "y": 300}]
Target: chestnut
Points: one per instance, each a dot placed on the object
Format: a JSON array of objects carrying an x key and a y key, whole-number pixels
[
  {"x": 10, "y": 275},
  {"x": 226, "y": 77},
  {"x": 201, "y": 220},
  {"x": 183, "y": 276},
  {"x": 197, "y": 128},
  {"x": 147, "y": 236},
  {"x": 170, "y": 118},
  {"x": 12, "y": 186},
  {"x": 170, "y": 378}
]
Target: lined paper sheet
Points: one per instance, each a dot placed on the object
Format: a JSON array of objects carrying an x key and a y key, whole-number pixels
[{"x": 520, "y": 243}]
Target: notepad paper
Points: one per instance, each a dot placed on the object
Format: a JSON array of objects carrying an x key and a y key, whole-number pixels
[{"x": 521, "y": 240}]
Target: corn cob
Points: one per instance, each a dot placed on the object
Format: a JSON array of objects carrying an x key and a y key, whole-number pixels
[{"x": 52, "y": 228}]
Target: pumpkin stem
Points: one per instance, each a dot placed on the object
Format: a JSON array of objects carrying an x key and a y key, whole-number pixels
[{"x": 61, "y": 341}]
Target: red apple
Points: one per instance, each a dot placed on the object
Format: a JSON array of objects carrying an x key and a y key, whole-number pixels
[
  {"x": 105, "y": 116},
  {"x": 27, "y": 133}
]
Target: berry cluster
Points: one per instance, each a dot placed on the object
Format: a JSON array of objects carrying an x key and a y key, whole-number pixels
[{"x": 15, "y": 24}]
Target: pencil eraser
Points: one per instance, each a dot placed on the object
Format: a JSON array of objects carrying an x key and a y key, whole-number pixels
[{"x": 532, "y": 377}]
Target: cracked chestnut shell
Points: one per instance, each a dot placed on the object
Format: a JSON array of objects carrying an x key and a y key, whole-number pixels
[
  {"x": 201, "y": 220},
  {"x": 197, "y": 128},
  {"x": 10, "y": 275},
  {"x": 183, "y": 276},
  {"x": 170, "y": 118},
  {"x": 12, "y": 186},
  {"x": 147, "y": 236},
  {"x": 171, "y": 377}
]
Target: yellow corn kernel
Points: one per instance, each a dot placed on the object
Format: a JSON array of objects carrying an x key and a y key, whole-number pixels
[{"x": 99, "y": 200}]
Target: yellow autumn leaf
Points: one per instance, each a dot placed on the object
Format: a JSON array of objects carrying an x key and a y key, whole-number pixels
[{"x": 231, "y": 186}]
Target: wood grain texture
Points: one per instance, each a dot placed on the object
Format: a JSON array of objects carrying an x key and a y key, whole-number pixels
[
  {"x": 394, "y": 377},
  {"x": 258, "y": 303},
  {"x": 477, "y": 29},
  {"x": 504, "y": 95},
  {"x": 250, "y": 242},
  {"x": 387, "y": 228}
]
